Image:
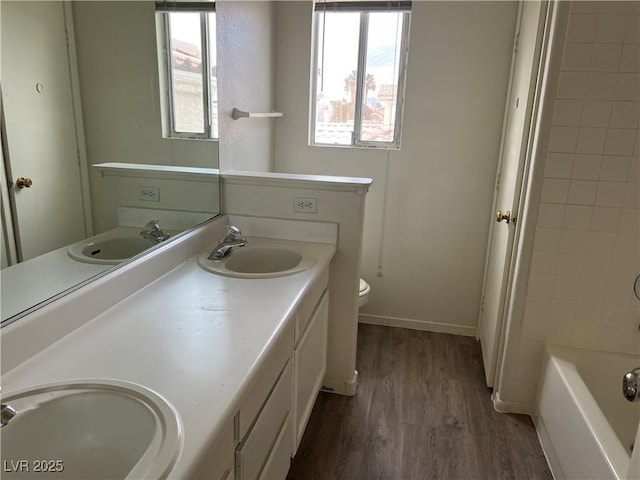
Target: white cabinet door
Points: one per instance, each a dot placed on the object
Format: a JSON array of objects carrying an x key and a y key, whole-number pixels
[
  {"x": 256, "y": 448},
  {"x": 310, "y": 363}
]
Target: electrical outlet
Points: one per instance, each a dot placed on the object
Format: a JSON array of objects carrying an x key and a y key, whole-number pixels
[
  {"x": 149, "y": 194},
  {"x": 306, "y": 205}
]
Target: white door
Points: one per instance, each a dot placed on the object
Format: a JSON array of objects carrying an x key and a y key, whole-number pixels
[
  {"x": 524, "y": 74},
  {"x": 42, "y": 143}
]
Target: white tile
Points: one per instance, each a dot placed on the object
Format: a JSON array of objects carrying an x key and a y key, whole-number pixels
[
  {"x": 578, "y": 217},
  {"x": 543, "y": 263},
  {"x": 600, "y": 243},
  {"x": 627, "y": 87},
  {"x": 610, "y": 28},
  {"x": 563, "y": 139},
  {"x": 611, "y": 6},
  {"x": 605, "y": 219},
  {"x": 614, "y": 316},
  {"x": 588, "y": 313},
  {"x": 554, "y": 190},
  {"x": 537, "y": 307},
  {"x": 591, "y": 140},
  {"x": 562, "y": 311},
  {"x": 582, "y": 28},
  {"x": 610, "y": 194},
  {"x": 584, "y": 336},
  {"x": 627, "y": 246},
  {"x": 609, "y": 339},
  {"x": 625, "y": 115},
  {"x": 586, "y": 167},
  {"x": 634, "y": 8},
  {"x": 531, "y": 352},
  {"x": 582, "y": 192},
  {"x": 606, "y": 57},
  {"x": 620, "y": 268},
  {"x": 540, "y": 285},
  {"x": 631, "y": 342},
  {"x": 551, "y": 215},
  {"x": 634, "y": 170},
  {"x": 574, "y": 84},
  {"x": 600, "y": 86},
  {"x": 629, "y": 221},
  {"x": 596, "y": 267},
  {"x": 558, "y": 165},
  {"x": 587, "y": 6},
  {"x": 596, "y": 113},
  {"x": 632, "y": 32},
  {"x": 630, "y": 59},
  {"x": 559, "y": 332},
  {"x": 577, "y": 57},
  {"x": 534, "y": 329},
  {"x": 620, "y": 141},
  {"x": 615, "y": 169},
  {"x": 569, "y": 264},
  {"x": 573, "y": 241},
  {"x": 631, "y": 196},
  {"x": 547, "y": 239},
  {"x": 567, "y": 113},
  {"x": 590, "y": 290},
  {"x": 617, "y": 293}
]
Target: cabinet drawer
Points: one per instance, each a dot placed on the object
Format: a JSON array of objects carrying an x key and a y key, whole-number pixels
[
  {"x": 255, "y": 449},
  {"x": 309, "y": 302},
  {"x": 272, "y": 366}
]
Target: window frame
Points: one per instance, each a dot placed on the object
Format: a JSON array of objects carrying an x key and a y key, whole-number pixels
[
  {"x": 363, "y": 9},
  {"x": 167, "y": 81}
]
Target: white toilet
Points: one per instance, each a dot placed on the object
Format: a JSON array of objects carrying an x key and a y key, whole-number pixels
[{"x": 364, "y": 293}]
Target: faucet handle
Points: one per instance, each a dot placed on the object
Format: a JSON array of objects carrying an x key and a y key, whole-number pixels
[
  {"x": 152, "y": 225},
  {"x": 233, "y": 230}
]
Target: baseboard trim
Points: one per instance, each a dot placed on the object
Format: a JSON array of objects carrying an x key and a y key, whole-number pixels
[
  {"x": 547, "y": 448},
  {"x": 418, "y": 325},
  {"x": 348, "y": 388},
  {"x": 503, "y": 406}
]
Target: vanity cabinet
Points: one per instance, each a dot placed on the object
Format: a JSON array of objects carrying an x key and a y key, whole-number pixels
[{"x": 309, "y": 355}]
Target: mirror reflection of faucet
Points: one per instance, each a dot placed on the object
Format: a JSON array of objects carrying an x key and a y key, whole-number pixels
[
  {"x": 153, "y": 232},
  {"x": 231, "y": 239},
  {"x": 631, "y": 385}
]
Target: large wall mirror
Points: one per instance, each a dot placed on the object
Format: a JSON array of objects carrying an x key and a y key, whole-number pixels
[{"x": 109, "y": 146}]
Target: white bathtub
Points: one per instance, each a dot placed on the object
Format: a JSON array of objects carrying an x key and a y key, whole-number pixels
[{"x": 585, "y": 425}]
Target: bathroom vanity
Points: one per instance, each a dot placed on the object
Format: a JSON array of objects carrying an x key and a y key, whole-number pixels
[{"x": 239, "y": 361}]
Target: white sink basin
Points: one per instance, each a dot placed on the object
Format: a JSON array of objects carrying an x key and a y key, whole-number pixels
[
  {"x": 259, "y": 260},
  {"x": 111, "y": 247},
  {"x": 98, "y": 429}
]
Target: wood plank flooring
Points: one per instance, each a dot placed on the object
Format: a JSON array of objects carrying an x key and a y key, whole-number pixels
[{"x": 422, "y": 411}]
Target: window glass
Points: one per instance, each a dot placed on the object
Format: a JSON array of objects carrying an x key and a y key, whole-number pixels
[
  {"x": 185, "y": 38},
  {"x": 381, "y": 77},
  {"x": 336, "y": 77}
]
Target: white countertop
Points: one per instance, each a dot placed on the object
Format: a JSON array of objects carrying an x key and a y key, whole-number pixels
[{"x": 194, "y": 337}]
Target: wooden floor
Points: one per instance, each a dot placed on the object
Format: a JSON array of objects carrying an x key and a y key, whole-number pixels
[{"x": 422, "y": 411}]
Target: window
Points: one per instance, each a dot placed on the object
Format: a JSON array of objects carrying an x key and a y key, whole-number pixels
[
  {"x": 359, "y": 71},
  {"x": 187, "y": 59}
]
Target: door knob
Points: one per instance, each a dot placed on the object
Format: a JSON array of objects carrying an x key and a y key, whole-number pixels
[
  {"x": 503, "y": 216},
  {"x": 23, "y": 182}
]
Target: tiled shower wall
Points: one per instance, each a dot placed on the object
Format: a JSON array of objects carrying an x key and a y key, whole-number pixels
[{"x": 587, "y": 243}]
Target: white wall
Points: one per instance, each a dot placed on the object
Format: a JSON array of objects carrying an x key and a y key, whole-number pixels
[
  {"x": 586, "y": 251},
  {"x": 245, "y": 79},
  {"x": 428, "y": 212},
  {"x": 340, "y": 201}
]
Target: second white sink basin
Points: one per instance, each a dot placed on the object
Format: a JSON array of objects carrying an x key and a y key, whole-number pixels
[
  {"x": 259, "y": 259},
  {"x": 99, "y": 429},
  {"x": 111, "y": 247}
]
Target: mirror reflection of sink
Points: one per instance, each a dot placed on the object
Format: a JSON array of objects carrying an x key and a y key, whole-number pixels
[
  {"x": 111, "y": 247},
  {"x": 259, "y": 260},
  {"x": 99, "y": 429}
]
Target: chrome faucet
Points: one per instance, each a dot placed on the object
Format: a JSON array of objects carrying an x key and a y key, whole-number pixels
[
  {"x": 7, "y": 412},
  {"x": 631, "y": 385},
  {"x": 152, "y": 232},
  {"x": 231, "y": 239}
]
